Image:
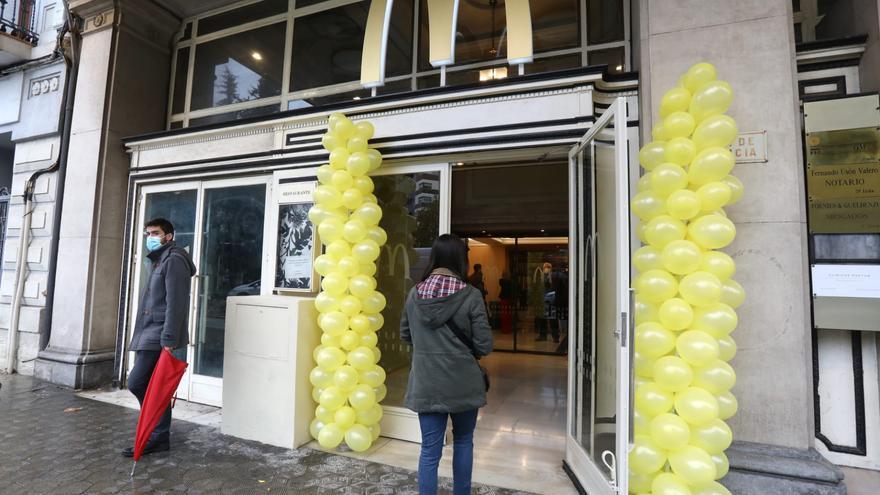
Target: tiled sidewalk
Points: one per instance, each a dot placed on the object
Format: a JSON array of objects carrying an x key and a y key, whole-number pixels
[{"x": 53, "y": 442}]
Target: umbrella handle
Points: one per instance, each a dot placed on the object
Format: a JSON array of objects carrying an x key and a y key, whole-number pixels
[{"x": 134, "y": 465}]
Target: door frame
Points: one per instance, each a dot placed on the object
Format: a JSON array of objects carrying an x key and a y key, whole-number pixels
[
  {"x": 193, "y": 387},
  {"x": 584, "y": 469}
]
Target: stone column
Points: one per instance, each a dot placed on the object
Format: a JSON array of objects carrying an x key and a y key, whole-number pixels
[
  {"x": 121, "y": 90},
  {"x": 751, "y": 42}
]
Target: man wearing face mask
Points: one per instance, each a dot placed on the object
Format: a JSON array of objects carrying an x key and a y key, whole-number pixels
[{"x": 161, "y": 321}]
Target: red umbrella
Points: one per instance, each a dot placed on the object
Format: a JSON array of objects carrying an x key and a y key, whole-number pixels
[{"x": 163, "y": 383}]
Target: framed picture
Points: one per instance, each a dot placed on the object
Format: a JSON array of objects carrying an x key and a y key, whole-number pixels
[{"x": 295, "y": 246}]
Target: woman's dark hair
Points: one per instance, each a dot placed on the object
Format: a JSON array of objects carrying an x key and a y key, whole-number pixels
[{"x": 448, "y": 252}]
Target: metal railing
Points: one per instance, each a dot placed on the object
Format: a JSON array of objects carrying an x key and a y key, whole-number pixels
[{"x": 18, "y": 18}]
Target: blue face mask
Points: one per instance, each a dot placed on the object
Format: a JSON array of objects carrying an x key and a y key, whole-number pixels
[{"x": 153, "y": 243}]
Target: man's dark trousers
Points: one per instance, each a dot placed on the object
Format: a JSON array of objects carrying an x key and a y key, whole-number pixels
[{"x": 138, "y": 379}]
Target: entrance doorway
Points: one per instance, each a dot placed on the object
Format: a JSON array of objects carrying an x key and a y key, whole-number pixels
[{"x": 222, "y": 225}]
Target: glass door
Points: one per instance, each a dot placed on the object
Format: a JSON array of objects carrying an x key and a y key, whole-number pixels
[
  {"x": 600, "y": 327},
  {"x": 415, "y": 205},
  {"x": 222, "y": 225}
]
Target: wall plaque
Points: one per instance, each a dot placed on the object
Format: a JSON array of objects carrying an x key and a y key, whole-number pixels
[{"x": 843, "y": 180}]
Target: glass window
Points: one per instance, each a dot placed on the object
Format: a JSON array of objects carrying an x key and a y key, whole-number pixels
[
  {"x": 327, "y": 46},
  {"x": 177, "y": 124},
  {"x": 846, "y": 247},
  {"x": 241, "y": 15},
  {"x": 798, "y": 32},
  {"x": 333, "y": 98},
  {"x": 426, "y": 82},
  {"x": 230, "y": 116},
  {"x": 306, "y": 3},
  {"x": 481, "y": 30},
  {"x": 796, "y": 5},
  {"x": 412, "y": 226},
  {"x": 394, "y": 87},
  {"x": 555, "y": 25},
  {"x": 177, "y": 105},
  {"x": 612, "y": 57},
  {"x": 187, "y": 31},
  {"x": 551, "y": 64},
  {"x": 604, "y": 21},
  {"x": 242, "y": 67}
]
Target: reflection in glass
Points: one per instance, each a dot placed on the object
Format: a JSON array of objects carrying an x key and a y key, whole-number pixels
[
  {"x": 236, "y": 115},
  {"x": 604, "y": 21},
  {"x": 327, "y": 46},
  {"x": 242, "y": 67},
  {"x": 180, "y": 71},
  {"x": 612, "y": 57},
  {"x": 411, "y": 217},
  {"x": 230, "y": 265},
  {"x": 551, "y": 64},
  {"x": 241, "y": 15}
]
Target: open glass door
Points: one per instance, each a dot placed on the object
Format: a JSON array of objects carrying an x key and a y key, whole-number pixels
[{"x": 600, "y": 325}]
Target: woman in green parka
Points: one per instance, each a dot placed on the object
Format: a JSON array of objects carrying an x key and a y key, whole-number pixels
[{"x": 445, "y": 380}]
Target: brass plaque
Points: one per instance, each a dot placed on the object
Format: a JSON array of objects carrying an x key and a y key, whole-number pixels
[
  {"x": 851, "y": 146},
  {"x": 843, "y": 181},
  {"x": 845, "y": 216}
]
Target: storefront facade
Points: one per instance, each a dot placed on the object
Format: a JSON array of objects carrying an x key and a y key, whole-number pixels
[{"x": 238, "y": 109}]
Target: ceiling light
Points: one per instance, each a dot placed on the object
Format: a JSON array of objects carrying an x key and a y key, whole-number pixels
[
  {"x": 460, "y": 164},
  {"x": 356, "y": 98},
  {"x": 256, "y": 56},
  {"x": 619, "y": 67},
  {"x": 494, "y": 73}
]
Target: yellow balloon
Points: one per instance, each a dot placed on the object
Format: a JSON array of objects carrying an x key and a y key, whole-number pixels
[
  {"x": 365, "y": 251},
  {"x": 722, "y": 464},
  {"x": 736, "y": 188},
  {"x": 372, "y": 376},
  {"x": 718, "y": 130},
  {"x": 717, "y": 319},
  {"x": 331, "y": 141},
  {"x": 375, "y": 158},
  {"x": 714, "y": 195},
  {"x": 646, "y": 456},
  {"x": 330, "y": 230},
  {"x": 341, "y": 180},
  {"x": 348, "y": 266},
  {"x": 680, "y": 257},
  {"x": 334, "y": 284},
  {"x": 713, "y": 98},
  {"x": 328, "y": 197},
  {"x": 712, "y": 231},
  {"x": 664, "y": 229},
  {"x": 675, "y": 100},
  {"x": 359, "y": 323},
  {"x": 641, "y": 423},
  {"x": 352, "y": 198},
  {"x": 315, "y": 427},
  {"x": 368, "y": 213},
  {"x": 679, "y": 125},
  {"x": 361, "y": 285},
  {"x": 344, "y": 417},
  {"x": 710, "y": 164},
  {"x": 354, "y": 230},
  {"x": 672, "y": 374},
  {"x": 358, "y": 438},
  {"x": 330, "y": 436},
  {"x": 713, "y": 437},
  {"x": 325, "y": 174},
  {"x": 374, "y": 302},
  {"x": 645, "y": 311},
  {"x": 362, "y": 397},
  {"x": 364, "y": 184},
  {"x": 349, "y": 340},
  {"x": 332, "y": 398},
  {"x": 683, "y": 204},
  {"x": 726, "y": 348},
  {"x": 381, "y": 391},
  {"x": 368, "y": 269},
  {"x": 327, "y": 339},
  {"x": 697, "y": 348},
  {"x": 700, "y": 288},
  {"x": 375, "y": 430},
  {"x": 356, "y": 144},
  {"x": 316, "y": 394},
  {"x": 358, "y": 163},
  {"x": 647, "y": 258},
  {"x": 727, "y": 405},
  {"x": 669, "y": 484},
  {"x": 698, "y": 75},
  {"x": 653, "y": 341},
  {"x": 648, "y": 204},
  {"x": 719, "y": 264},
  {"x": 364, "y": 129},
  {"x": 339, "y": 249},
  {"x": 377, "y": 321},
  {"x": 318, "y": 214},
  {"x": 361, "y": 358},
  {"x": 676, "y": 314},
  {"x": 334, "y": 119},
  {"x": 370, "y": 416},
  {"x": 680, "y": 151},
  {"x": 326, "y": 264},
  {"x": 696, "y": 406},
  {"x": 644, "y": 183},
  {"x": 717, "y": 377},
  {"x": 669, "y": 431},
  {"x": 693, "y": 465},
  {"x": 659, "y": 133},
  {"x": 339, "y": 158},
  {"x": 713, "y": 488},
  {"x": 656, "y": 286},
  {"x": 641, "y": 228},
  {"x": 334, "y": 323},
  {"x": 652, "y": 400},
  {"x": 668, "y": 178},
  {"x": 732, "y": 294},
  {"x": 345, "y": 378},
  {"x": 368, "y": 339},
  {"x": 643, "y": 365},
  {"x": 320, "y": 377},
  {"x": 652, "y": 154}
]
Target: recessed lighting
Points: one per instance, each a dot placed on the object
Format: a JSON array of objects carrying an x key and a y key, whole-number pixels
[
  {"x": 459, "y": 163},
  {"x": 256, "y": 56},
  {"x": 356, "y": 98},
  {"x": 619, "y": 67}
]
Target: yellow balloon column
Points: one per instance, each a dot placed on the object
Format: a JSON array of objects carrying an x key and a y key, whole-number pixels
[
  {"x": 685, "y": 296},
  {"x": 348, "y": 382}
]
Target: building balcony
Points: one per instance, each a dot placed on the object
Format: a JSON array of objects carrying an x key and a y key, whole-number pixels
[{"x": 17, "y": 35}]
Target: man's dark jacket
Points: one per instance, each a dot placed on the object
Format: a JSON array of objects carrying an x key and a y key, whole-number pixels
[{"x": 164, "y": 308}]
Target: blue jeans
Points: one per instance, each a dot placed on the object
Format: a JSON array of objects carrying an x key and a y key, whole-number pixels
[{"x": 433, "y": 427}]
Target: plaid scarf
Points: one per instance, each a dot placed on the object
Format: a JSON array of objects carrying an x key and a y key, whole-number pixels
[{"x": 440, "y": 283}]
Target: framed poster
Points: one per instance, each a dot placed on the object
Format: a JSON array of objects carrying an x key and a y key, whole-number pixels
[{"x": 295, "y": 237}]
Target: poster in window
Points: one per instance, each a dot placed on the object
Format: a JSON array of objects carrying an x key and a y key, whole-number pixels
[{"x": 295, "y": 250}]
